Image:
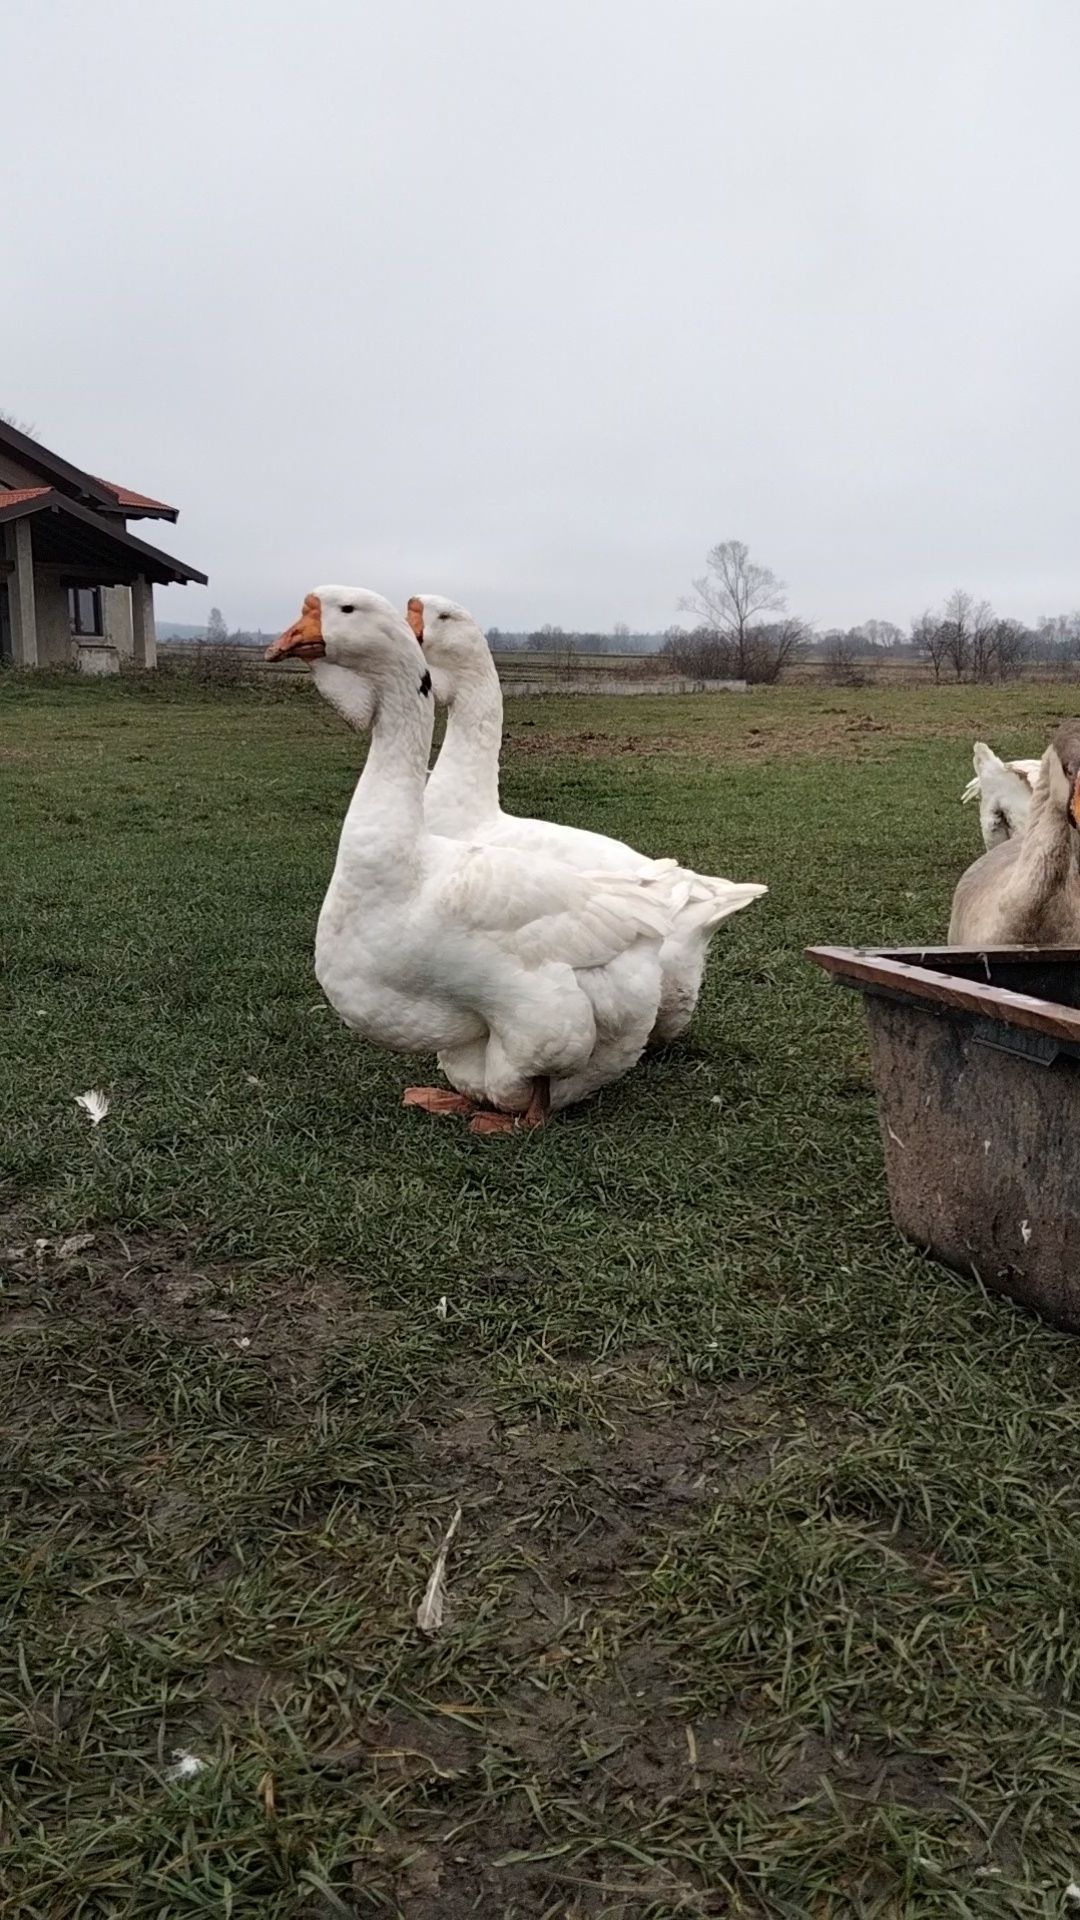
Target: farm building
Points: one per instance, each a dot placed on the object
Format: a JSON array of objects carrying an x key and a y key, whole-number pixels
[{"x": 76, "y": 585}]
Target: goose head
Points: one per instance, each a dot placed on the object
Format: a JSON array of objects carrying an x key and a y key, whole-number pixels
[
  {"x": 1063, "y": 767},
  {"x": 349, "y": 626},
  {"x": 354, "y": 639},
  {"x": 454, "y": 646}
]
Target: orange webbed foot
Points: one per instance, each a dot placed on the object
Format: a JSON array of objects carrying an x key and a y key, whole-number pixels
[
  {"x": 495, "y": 1123},
  {"x": 437, "y": 1100}
]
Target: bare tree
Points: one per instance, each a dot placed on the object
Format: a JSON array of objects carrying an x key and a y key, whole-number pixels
[
  {"x": 956, "y": 624},
  {"x": 562, "y": 647},
  {"x": 701, "y": 655},
  {"x": 546, "y": 639},
  {"x": 968, "y": 636},
  {"x": 20, "y": 426},
  {"x": 930, "y": 639},
  {"x": 983, "y": 647},
  {"x": 567, "y": 651},
  {"x": 1009, "y": 647},
  {"x": 881, "y": 634},
  {"x": 731, "y": 595},
  {"x": 1057, "y": 637},
  {"x": 216, "y": 631},
  {"x": 844, "y": 658},
  {"x": 730, "y": 599},
  {"x": 771, "y": 647}
]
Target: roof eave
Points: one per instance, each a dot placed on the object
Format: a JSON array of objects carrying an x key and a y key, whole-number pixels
[
  {"x": 122, "y": 512},
  {"x": 54, "y": 502},
  {"x": 36, "y": 455}
]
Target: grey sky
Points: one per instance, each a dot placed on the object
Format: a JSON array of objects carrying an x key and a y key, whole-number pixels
[{"x": 530, "y": 301}]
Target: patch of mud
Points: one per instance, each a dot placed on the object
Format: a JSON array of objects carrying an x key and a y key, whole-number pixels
[
  {"x": 616, "y": 1758},
  {"x": 398, "y": 1745},
  {"x": 864, "y": 1771},
  {"x": 761, "y": 732},
  {"x": 811, "y": 734},
  {"x": 290, "y": 1325},
  {"x": 246, "y": 1683},
  {"x": 561, "y": 1517}
]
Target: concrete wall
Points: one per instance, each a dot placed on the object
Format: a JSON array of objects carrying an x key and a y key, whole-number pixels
[
  {"x": 116, "y": 619},
  {"x": 56, "y": 643},
  {"x": 53, "y": 619}
]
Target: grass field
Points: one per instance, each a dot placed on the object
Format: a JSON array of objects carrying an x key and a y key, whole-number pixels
[{"x": 764, "y": 1598}]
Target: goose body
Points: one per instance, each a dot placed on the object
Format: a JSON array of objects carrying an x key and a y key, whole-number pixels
[
  {"x": 462, "y": 801},
  {"x": 1003, "y": 789},
  {"x": 1025, "y": 891},
  {"x": 534, "y": 983}
]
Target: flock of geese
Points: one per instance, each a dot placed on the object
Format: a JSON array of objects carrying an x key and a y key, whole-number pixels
[{"x": 538, "y": 961}]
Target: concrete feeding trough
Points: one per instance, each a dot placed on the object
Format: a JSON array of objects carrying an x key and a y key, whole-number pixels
[{"x": 976, "y": 1066}]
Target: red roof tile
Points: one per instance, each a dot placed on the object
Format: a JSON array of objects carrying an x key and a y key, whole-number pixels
[
  {"x": 127, "y": 498},
  {"x": 14, "y": 496}
]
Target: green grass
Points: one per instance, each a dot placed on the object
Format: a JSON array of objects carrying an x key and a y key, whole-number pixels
[{"x": 764, "y": 1595}]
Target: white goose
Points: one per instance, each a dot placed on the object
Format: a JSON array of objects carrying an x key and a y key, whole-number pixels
[
  {"x": 1025, "y": 892},
  {"x": 462, "y": 801},
  {"x": 535, "y": 984},
  {"x": 1003, "y": 789}
]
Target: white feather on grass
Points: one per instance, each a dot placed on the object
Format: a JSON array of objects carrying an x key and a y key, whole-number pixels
[
  {"x": 443, "y": 1307},
  {"x": 185, "y": 1765},
  {"x": 75, "y": 1243},
  {"x": 429, "y": 1614},
  {"x": 95, "y": 1104}
]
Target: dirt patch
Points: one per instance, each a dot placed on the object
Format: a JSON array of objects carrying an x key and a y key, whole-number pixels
[
  {"x": 288, "y": 1324},
  {"x": 864, "y": 1771},
  {"x": 560, "y": 1521},
  {"x": 741, "y": 736},
  {"x": 15, "y": 1321},
  {"x": 399, "y": 1745},
  {"x": 660, "y": 1455},
  {"x": 561, "y": 1517},
  {"x": 809, "y": 735},
  {"x": 244, "y": 1683},
  {"x": 611, "y": 1758}
]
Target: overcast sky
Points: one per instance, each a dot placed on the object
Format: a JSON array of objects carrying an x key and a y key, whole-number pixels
[{"x": 531, "y": 301}]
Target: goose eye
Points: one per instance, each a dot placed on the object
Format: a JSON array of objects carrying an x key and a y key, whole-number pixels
[
  {"x": 348, "y": 609},
  {"x": 444, "y": 616}
]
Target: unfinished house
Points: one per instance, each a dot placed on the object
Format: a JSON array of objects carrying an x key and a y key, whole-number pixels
[{"x": 76, "y": 585}]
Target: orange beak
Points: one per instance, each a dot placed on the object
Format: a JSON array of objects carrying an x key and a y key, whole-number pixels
[
  {"x": 414, "y": 614},
  {"x": 1074, "y": 803},
  {"x": 304, "y": 639}
]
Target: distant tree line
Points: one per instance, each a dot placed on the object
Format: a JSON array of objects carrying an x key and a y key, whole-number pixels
[
  {"x": 743, "y": 630},
  {"x": 967, "y": 640},
  {"x": 217, "y": 633},
  {"x": 964, "y": 640}
]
